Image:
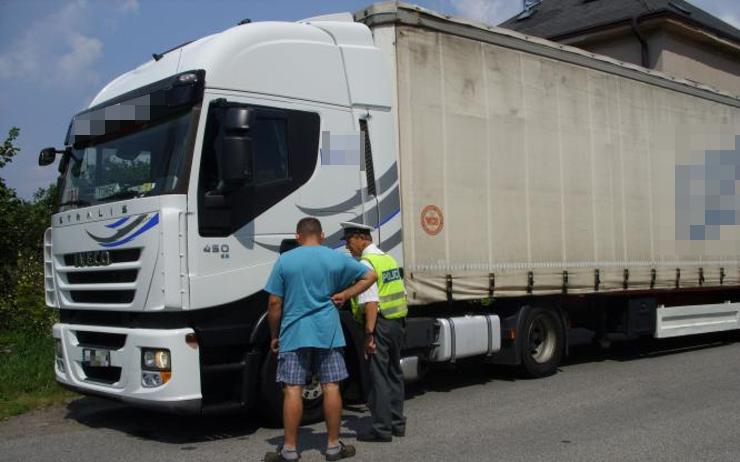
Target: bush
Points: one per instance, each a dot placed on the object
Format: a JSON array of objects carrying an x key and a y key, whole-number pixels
[
  {"x": 22, "y": 226},
  {"x": 24, "y": 309},
  {"x": 27, "y": 373}
]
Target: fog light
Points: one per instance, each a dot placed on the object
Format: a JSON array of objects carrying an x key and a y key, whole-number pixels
[
  {"x": 155, "y": 379},
  {"x": 58, "y": 347},
  {"x": 60, "y": 366},
  {"x": 155, "y": 359}
]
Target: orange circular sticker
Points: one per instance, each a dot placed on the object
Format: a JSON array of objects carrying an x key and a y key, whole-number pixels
[{"x": 432, "y": 220}]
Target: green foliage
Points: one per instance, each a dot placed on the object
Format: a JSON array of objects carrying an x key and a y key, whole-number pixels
[
  {"x": 22, "y": 226},
  {"x": 27, "y": 373},
  {"x": 8, "y": 150},
  {"x": 26, "y": 346}
]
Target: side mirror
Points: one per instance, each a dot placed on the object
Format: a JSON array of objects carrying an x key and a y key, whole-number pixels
[
  {"x": 47, "y": 156},
  {"x": 234, "y": 148}
]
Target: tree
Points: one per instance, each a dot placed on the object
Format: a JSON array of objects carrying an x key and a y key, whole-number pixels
[
  {"x": 8, "y": 150},
  {"x": 9, "y": 214},
  {"x": 22, "y": 226}
]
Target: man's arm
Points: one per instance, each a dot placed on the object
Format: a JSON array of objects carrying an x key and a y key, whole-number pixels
[
  {"x": 274, "y": 313},
  {"x": 357, "y": 288},
  {"x": 371, "y": 318}
]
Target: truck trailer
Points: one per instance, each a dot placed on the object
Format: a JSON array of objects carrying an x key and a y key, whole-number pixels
[{"x": 526, "y": 188}]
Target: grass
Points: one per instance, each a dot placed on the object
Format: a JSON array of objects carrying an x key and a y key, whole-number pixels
[{"x": 27, "y": 373}]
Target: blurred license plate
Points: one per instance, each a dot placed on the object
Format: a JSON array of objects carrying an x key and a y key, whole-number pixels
[{"x": 95, "y": 358}]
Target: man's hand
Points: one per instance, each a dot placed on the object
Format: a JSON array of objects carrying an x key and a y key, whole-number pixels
[
  {"x": 370, "y": 345},
  {"x": 339, "y": 299},
  {"x": 275, "y": 345},
  {"x": 357, "y": 288}
]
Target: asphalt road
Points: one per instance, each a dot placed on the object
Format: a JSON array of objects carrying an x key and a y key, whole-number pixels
[{"x": 678, "y": 401}]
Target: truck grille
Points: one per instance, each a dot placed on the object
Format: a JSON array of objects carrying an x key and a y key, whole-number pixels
[
  {"x": 100, "y": 277},
  {"x": 116, "y": 256},
  {"x": 106, "y": 375},
  {"x": 97, "y": 277},
  {"x": 100, "y": 340},
  {"x": 103, "y": 296}
]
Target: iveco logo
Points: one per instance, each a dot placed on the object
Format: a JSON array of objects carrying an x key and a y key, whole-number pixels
[{"x": 94, "y": 258}]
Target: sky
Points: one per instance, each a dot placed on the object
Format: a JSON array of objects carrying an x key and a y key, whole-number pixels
[{"x": 55, "y": 55}]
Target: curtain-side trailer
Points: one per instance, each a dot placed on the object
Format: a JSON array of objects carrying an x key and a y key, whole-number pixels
[{"x": 526, "y": 188}]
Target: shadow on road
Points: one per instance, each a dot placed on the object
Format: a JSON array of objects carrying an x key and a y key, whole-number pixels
[
  {"x": 183, "y": 430},
  {"x": 466, "y": 373},
  {"x": 164, "y": 428},
  {"x": 311, "y": 438},
  {"x": 474, "y": 372},
  {"x": 649, "y": 348}
]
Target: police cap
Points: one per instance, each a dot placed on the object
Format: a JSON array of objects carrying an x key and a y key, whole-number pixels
[{"x": 351, "y": 229}]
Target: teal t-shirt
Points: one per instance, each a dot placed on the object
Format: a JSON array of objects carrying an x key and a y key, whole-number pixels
[{"x": 305, "y": 278}]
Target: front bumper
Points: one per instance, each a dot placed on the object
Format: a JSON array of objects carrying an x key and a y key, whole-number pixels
[{"x": 122, "y": 380}]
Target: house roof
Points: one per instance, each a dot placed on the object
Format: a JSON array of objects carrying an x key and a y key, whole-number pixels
[{"x": 560, "y": 19}]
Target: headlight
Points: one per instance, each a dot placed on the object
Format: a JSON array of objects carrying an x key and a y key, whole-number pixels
[{"x": 158, "y": 360}]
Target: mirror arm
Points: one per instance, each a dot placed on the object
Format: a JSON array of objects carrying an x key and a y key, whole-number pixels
[{"x": 68, "y": 152}]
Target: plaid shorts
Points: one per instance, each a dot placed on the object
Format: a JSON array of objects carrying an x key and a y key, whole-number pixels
[{"x": 297, "y": 367}]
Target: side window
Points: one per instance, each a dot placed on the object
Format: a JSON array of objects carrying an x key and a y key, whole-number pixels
[
  {"x": 284, "y": 152},
  {"x": 270, "y": 148}
]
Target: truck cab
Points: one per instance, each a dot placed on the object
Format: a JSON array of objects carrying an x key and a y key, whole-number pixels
[{"x": 180, "y": 184}]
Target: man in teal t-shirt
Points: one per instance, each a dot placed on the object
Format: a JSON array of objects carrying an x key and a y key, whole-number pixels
[{"x": 304, "y": 286}]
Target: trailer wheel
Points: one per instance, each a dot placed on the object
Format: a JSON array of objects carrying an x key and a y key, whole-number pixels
[
  {"x": 271, "y": 396},
  {"x": 542, "y": 340}
]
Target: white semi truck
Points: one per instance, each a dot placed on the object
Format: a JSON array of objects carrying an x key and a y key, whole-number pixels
[{"x": 526, "y": 188}]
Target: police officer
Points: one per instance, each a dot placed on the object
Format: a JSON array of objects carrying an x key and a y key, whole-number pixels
[{"x": 381, "y": 310}]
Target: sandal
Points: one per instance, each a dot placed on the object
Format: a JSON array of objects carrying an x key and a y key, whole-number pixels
[
  {"x": 278, "y": 457},
  {"x": 345, "y": 451}
]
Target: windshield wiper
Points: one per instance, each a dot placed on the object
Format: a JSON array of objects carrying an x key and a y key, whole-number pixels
[
  {"x": 79, "y": 203},
  {"x": 122, "y": 195}
]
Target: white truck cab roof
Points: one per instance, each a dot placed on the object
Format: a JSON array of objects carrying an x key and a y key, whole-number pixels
[{"x": 328, "y": 59}]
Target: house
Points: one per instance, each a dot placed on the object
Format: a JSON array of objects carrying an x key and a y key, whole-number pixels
[{"x": 671, "y": 36}]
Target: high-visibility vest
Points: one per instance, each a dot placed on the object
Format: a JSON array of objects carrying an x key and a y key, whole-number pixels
[{"x": 391, "y": 291}]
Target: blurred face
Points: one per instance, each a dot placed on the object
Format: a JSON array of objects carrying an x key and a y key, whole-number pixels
[{"x": 356, "y": 244}]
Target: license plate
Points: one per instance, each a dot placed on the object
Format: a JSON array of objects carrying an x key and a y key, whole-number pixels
[{"x": 95, "y": 358}]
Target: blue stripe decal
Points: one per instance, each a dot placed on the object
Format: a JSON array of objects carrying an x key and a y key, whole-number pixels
[
  {"x": 117, "y": 223},
  {"x": 389, "y": 218},
  {"x": 153, "y": 221}
]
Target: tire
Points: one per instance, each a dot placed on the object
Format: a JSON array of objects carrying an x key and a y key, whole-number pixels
[
  {"x": 542, "y": 342},
  {"x": 271, "y": 396}
]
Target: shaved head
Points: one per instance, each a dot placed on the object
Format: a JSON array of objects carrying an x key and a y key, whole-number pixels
[{"x": 309, "y": 226}]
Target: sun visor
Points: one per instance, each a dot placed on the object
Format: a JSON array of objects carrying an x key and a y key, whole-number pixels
[{"x": 137, "y": 109}]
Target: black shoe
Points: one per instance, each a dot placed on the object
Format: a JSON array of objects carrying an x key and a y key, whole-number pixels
[
  {"x": 372, "y": 437},
  {"x": 399, "y": 433}
]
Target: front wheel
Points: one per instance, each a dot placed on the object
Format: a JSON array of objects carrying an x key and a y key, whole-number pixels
[
  {"x": 271, "y": 395},
  {"x": 542, "y": 342}
]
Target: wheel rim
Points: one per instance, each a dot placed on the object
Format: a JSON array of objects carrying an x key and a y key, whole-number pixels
[
  {"x": 542, "y": 339},
  {"x": 313, "y": 391}
]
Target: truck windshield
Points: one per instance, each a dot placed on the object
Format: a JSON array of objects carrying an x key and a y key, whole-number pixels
[{"x": 146, "y": 162}]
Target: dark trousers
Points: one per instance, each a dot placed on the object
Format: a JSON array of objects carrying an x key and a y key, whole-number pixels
[{"x": 386, "y": 378}]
